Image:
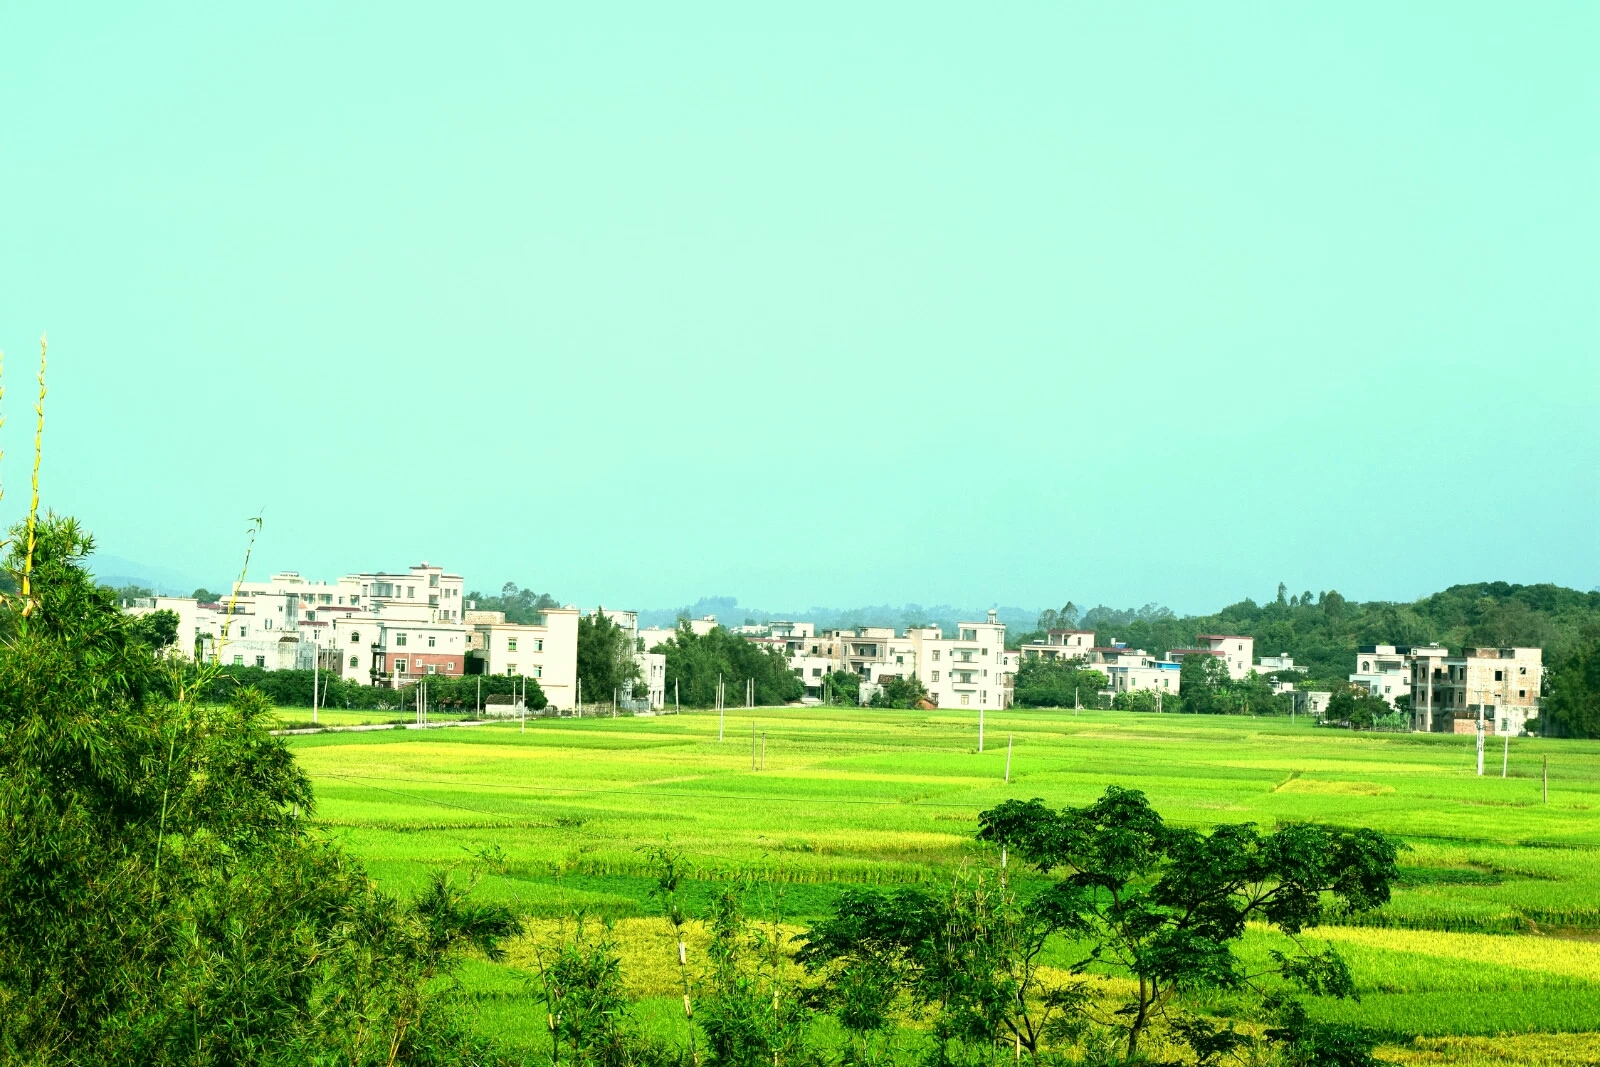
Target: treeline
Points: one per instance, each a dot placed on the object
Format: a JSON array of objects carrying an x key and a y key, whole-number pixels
[
  {"x": 696, "y": 662},
  {"x": 1323, "y": 630},
  {"x": 292, "y": 689},
  {"x": 1204, "y": 689}
]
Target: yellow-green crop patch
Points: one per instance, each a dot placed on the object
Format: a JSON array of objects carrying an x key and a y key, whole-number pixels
[{"x": 567, "y": 809}]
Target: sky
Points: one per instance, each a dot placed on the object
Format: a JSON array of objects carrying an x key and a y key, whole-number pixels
[{"x": 839, "y": 305}]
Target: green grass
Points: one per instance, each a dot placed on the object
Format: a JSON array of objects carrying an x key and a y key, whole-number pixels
[{"x": 892, "y": 797}]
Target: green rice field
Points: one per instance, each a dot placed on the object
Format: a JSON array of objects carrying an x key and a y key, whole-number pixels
[{"x": 1489, "y": 952}]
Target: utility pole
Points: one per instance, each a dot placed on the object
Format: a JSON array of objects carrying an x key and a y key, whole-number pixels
[
  {"x": 1480, "y": 735},
  {"x": 980, "y": 727},
  {"x": 1505, "y": 756},
  {"x": 1547, "y": 779},
  {"x": 1009, "y": 739},
  {"x": 763, "y": 750},
  {"x": 721, "y": 718},
  {"x": 316, "y": 663}
]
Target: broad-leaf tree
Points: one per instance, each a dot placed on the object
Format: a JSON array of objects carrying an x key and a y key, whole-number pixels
[{"x": 1165, "y": 906}]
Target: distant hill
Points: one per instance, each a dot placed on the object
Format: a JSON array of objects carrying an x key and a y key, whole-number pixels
[
  {"x": 729, "y": 613},
  {"x": 117, "y": 572}
]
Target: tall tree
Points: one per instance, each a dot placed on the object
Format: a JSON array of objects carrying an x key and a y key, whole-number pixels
[
  {"x": 1571, "y": 704},
  {"x": 1166, "y": 906},
  {"x": 605, "y": 657},
  {"x": 165, "y": 901}
]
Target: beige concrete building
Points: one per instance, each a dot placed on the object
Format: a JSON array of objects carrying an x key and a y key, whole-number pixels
[
  {"x": 1501, "y": 686},
  {"x": 546, "y": 650}
]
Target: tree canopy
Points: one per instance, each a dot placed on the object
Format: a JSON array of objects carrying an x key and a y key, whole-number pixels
[
  {"x": 696, "y": 661},
  {"x": 1571, "y": 701},
  {"x": 165, "y": 899}
]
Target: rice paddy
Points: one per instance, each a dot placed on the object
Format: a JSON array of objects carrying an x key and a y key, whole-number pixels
[{"x": 1489, "y": 952}]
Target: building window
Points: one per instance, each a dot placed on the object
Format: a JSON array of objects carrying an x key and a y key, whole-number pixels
[
  {"x": 1365, "y": 666},
  {"x": 243, "y": 629},
  {"x": 936, "y": 655},
  {"x": 411, "y": 592},
  {"x": 511, "y": 644},
  {"x": 538, "y": 644},
  {"x": 816, "y": 672},
  {"x": 538, "y": 671},
  {"x": 1522, "y": 670},
  {"x": 936, "y": 676},
  {"x": 963, "y": 699},
  {"x": 900, "y": 659},
  {"x": 433, "y": 581},
  {"x": 355, "y": 599},
  {"x": 261, "y": 661},
  {"x": 430, "y": 640},
  {"x": 354, "y": 662},
  {"x": 1499, "y": 676},
  {"x": 400, "y": 666},
  {"x": 511, "y": 668},
  {"x": 1521, "y": 694},
  {"x": 238, "y": 661},
  {"x": 430, "y": 668},
  {"x": 355, "y": 637},
  {"x": 400, "y": 639}
]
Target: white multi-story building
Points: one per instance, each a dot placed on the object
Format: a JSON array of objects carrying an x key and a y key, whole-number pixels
[
  {"x": 1061, "y": 644},
  {"x": 186, "y": 608},
  {"x": 422, "y": 586},
  {"x": 652, "y": 666},
  {"x": 304, "y": 596},
  {"x": 812, "y": 672},
  {"x": 1236, "y": 653},
  {"x": 546, "y": 650},
  {"x": 1385, "y": 670},
  {"x": 651, "y": 636},
  {"x": 378, "y": 649},
  {"x": 1127, "y": 669},
  {"x": 971, "y": 669},
  {"x": 873, "y": 652}
]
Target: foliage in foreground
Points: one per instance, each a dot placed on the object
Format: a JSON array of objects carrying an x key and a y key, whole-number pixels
[{"x": 163, "y": 901}]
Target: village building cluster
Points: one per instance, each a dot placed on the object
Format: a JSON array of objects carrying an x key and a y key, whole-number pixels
[{"x": 392, "y": 628}]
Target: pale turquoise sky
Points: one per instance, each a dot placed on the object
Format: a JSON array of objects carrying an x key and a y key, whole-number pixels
[{"x": 861, "y": 304}]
